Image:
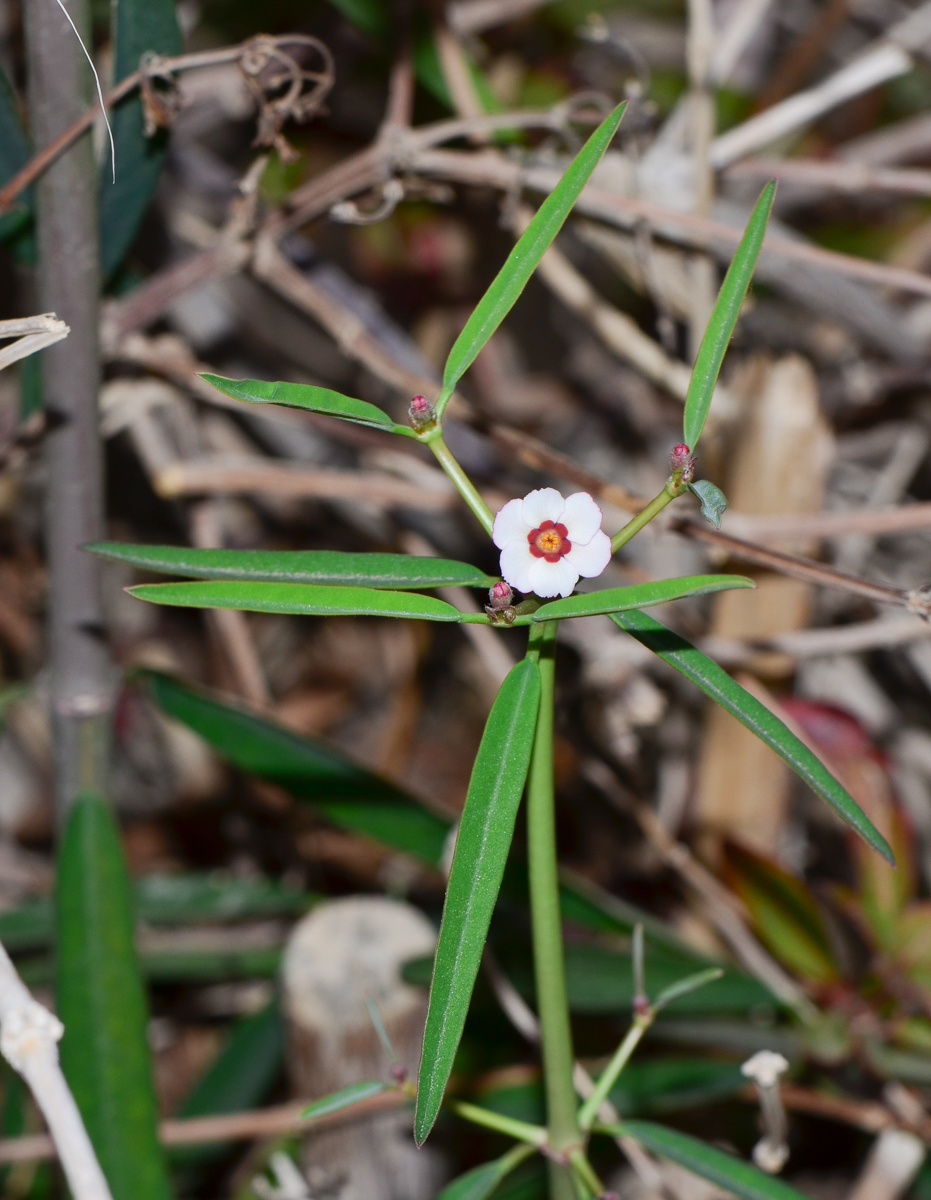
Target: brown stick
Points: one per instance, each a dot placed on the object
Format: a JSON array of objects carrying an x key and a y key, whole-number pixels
[
  {"x": 45, "y": 157},
  {"x": 230, "y": 1127}
]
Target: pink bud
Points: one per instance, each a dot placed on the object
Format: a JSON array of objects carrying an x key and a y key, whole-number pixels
[
  {"x": 500, "y": 595},
  {"x": 640, "y": 1005},
  {"x": 422, "y": 413},
  {"x": 398, "y": 1072},
  {"x": 681, "y": 462}
]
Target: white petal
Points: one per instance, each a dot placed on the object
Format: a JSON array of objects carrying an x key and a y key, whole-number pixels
[
  {"x": 553, "y": 579},
  {"x": 516, "y": 561},
  {"x": 545, "y": 504},
  {"x": 592, "y": 558},
  {"x": 582, "y": 517},
  {"x": 509, "y": 525}
]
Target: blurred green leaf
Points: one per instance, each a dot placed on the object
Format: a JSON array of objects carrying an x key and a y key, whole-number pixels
[
  {"x": 15, "y": 152},
  {"x": 715, "y": 682},
  {"x": 787, "y": 917},
  {"x": 480, "y": 1182},
  {"x": 105, "y": 1052},
  {"x": 685, "y": 987},
  {"x": 660, "y": 1085},
  {"x": 712, "y": 1164},
  {"x": 511, "y": 280},
  {"x": 371, "y": 16},
  {"x": 138, "y": 27},
  {"x": 482, "y": 845},
  {"x": 401, "y": 572},
  {"x": 712, "y": 499},
  {"x": 171, "y": 899},
  {"x": 345, "y": 1098},
  {"x": 350, "y": 796},
  {"x": 600, "y": 980},
  {"x": 312, "y": 399},
  {"x": 723, "y": 320},
  {"x": 640, "y": 595},
  {"x": 238, "y": 1079},
  {"x": 298, "y": 599}
]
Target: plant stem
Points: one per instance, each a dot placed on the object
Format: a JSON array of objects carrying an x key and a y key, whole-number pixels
[
  {"x": 606, "y": 1081},
  {"x": 533, "y": 1135},
  {"x": 464, "y": 485},
  {"x": 549, "y": 965},
  {"x": 585, "y": 1172},
  {"x": 644, "y": 517},
  {"x": 82, "y": 677}
]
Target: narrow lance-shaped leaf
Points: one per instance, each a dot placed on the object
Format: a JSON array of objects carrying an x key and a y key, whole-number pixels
[
  {"x": 137, "y": 27},
  {"x": 723, "y": 320},
  {"x": 715, "y": 682},
  {"x": 485, "y": 832},
  {"x": 728, "y": 1172},
  {"x": 302, "y": 599},
  {"x": 346, "y": 1097},
  {"x": 482, "y": 1181},
  {"x": 398, "y": 571},
  {"x": 312, "y": 399},
  {"x": 524, "y": 258},
  {"x": 105, "y": 1052},
  {"x": 350, "y": 795},
  {"x": 640, "y": 595}
]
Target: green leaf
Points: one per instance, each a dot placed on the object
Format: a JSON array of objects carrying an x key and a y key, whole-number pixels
[
  {"x": 685, "y": 987},
  {"x": 105, "y": 1052},
  {"x": 640, "y": 595},
  {"x": 482, "y": 845},
  {"x": 599, "y": 980},
  {"x": 312, "y": 399},
  {"x": 715, "y": 682},
  {"x": 170, "y": 899},
  {"x": 303, "y": 599},
  {"x": 240, "y": 1078},
  {"x": 15, "y": 152},
  {"x": 524, "y": 258},
  {"x": 371, "y": 16},
  {"x": 723, "y": 320},
  {"x": 345, "y": 1098},
  {"x": 785, "y": 913},
  {"x": 399, "y": 571},
  {"x": 348, "y": 794},
  {"x": 712, "y": 1164},
  {"x": 713, "y": 501},
  {"x": 480, "y": 1182},
  {"x": 138, "y": 26}
]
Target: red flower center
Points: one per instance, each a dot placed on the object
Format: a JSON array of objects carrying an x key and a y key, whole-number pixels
[{"x": 549, "y": 541}]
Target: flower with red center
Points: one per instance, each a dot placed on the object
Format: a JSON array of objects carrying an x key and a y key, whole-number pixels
[{"x": 548, "y": 541}]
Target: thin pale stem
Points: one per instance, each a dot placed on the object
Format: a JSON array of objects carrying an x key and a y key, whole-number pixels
[
  {"x": 606, "y": 1081},
  {"x": 549, "y": 965},
  {"x": 533, "y": 1135},
  {"x": 464, "y": 485},
  {"x": 585, "y": 1173},
  {"x": 644, "y": 517}
]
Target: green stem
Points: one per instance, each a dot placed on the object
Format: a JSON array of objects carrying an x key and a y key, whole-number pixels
[
  {"x": 464, "y": 485},
  {"x": 606, "y": 1081},
  {"x": 533, "y": 1135},
  {"x": 585, "y": 1172},
  {"x": 645, "y": 516},
  {"x": 549, "y": 965}
]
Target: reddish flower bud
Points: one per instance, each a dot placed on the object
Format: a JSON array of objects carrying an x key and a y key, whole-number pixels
[
  {"x": 399, "y": 1072},
  {"x": 500, "y": 595},
  {"x": 422, "y": 413},
  {"x": 681, "y": 462}
]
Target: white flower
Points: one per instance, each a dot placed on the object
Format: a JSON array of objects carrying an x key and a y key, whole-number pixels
[
  {"x": 765, "y": 1067},
  {"x": 547, "y": 542}
]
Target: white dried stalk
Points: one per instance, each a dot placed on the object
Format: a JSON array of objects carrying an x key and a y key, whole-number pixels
[
  {"x": 33, "y": 334},
  {"x": 29, "y": 1036}
]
